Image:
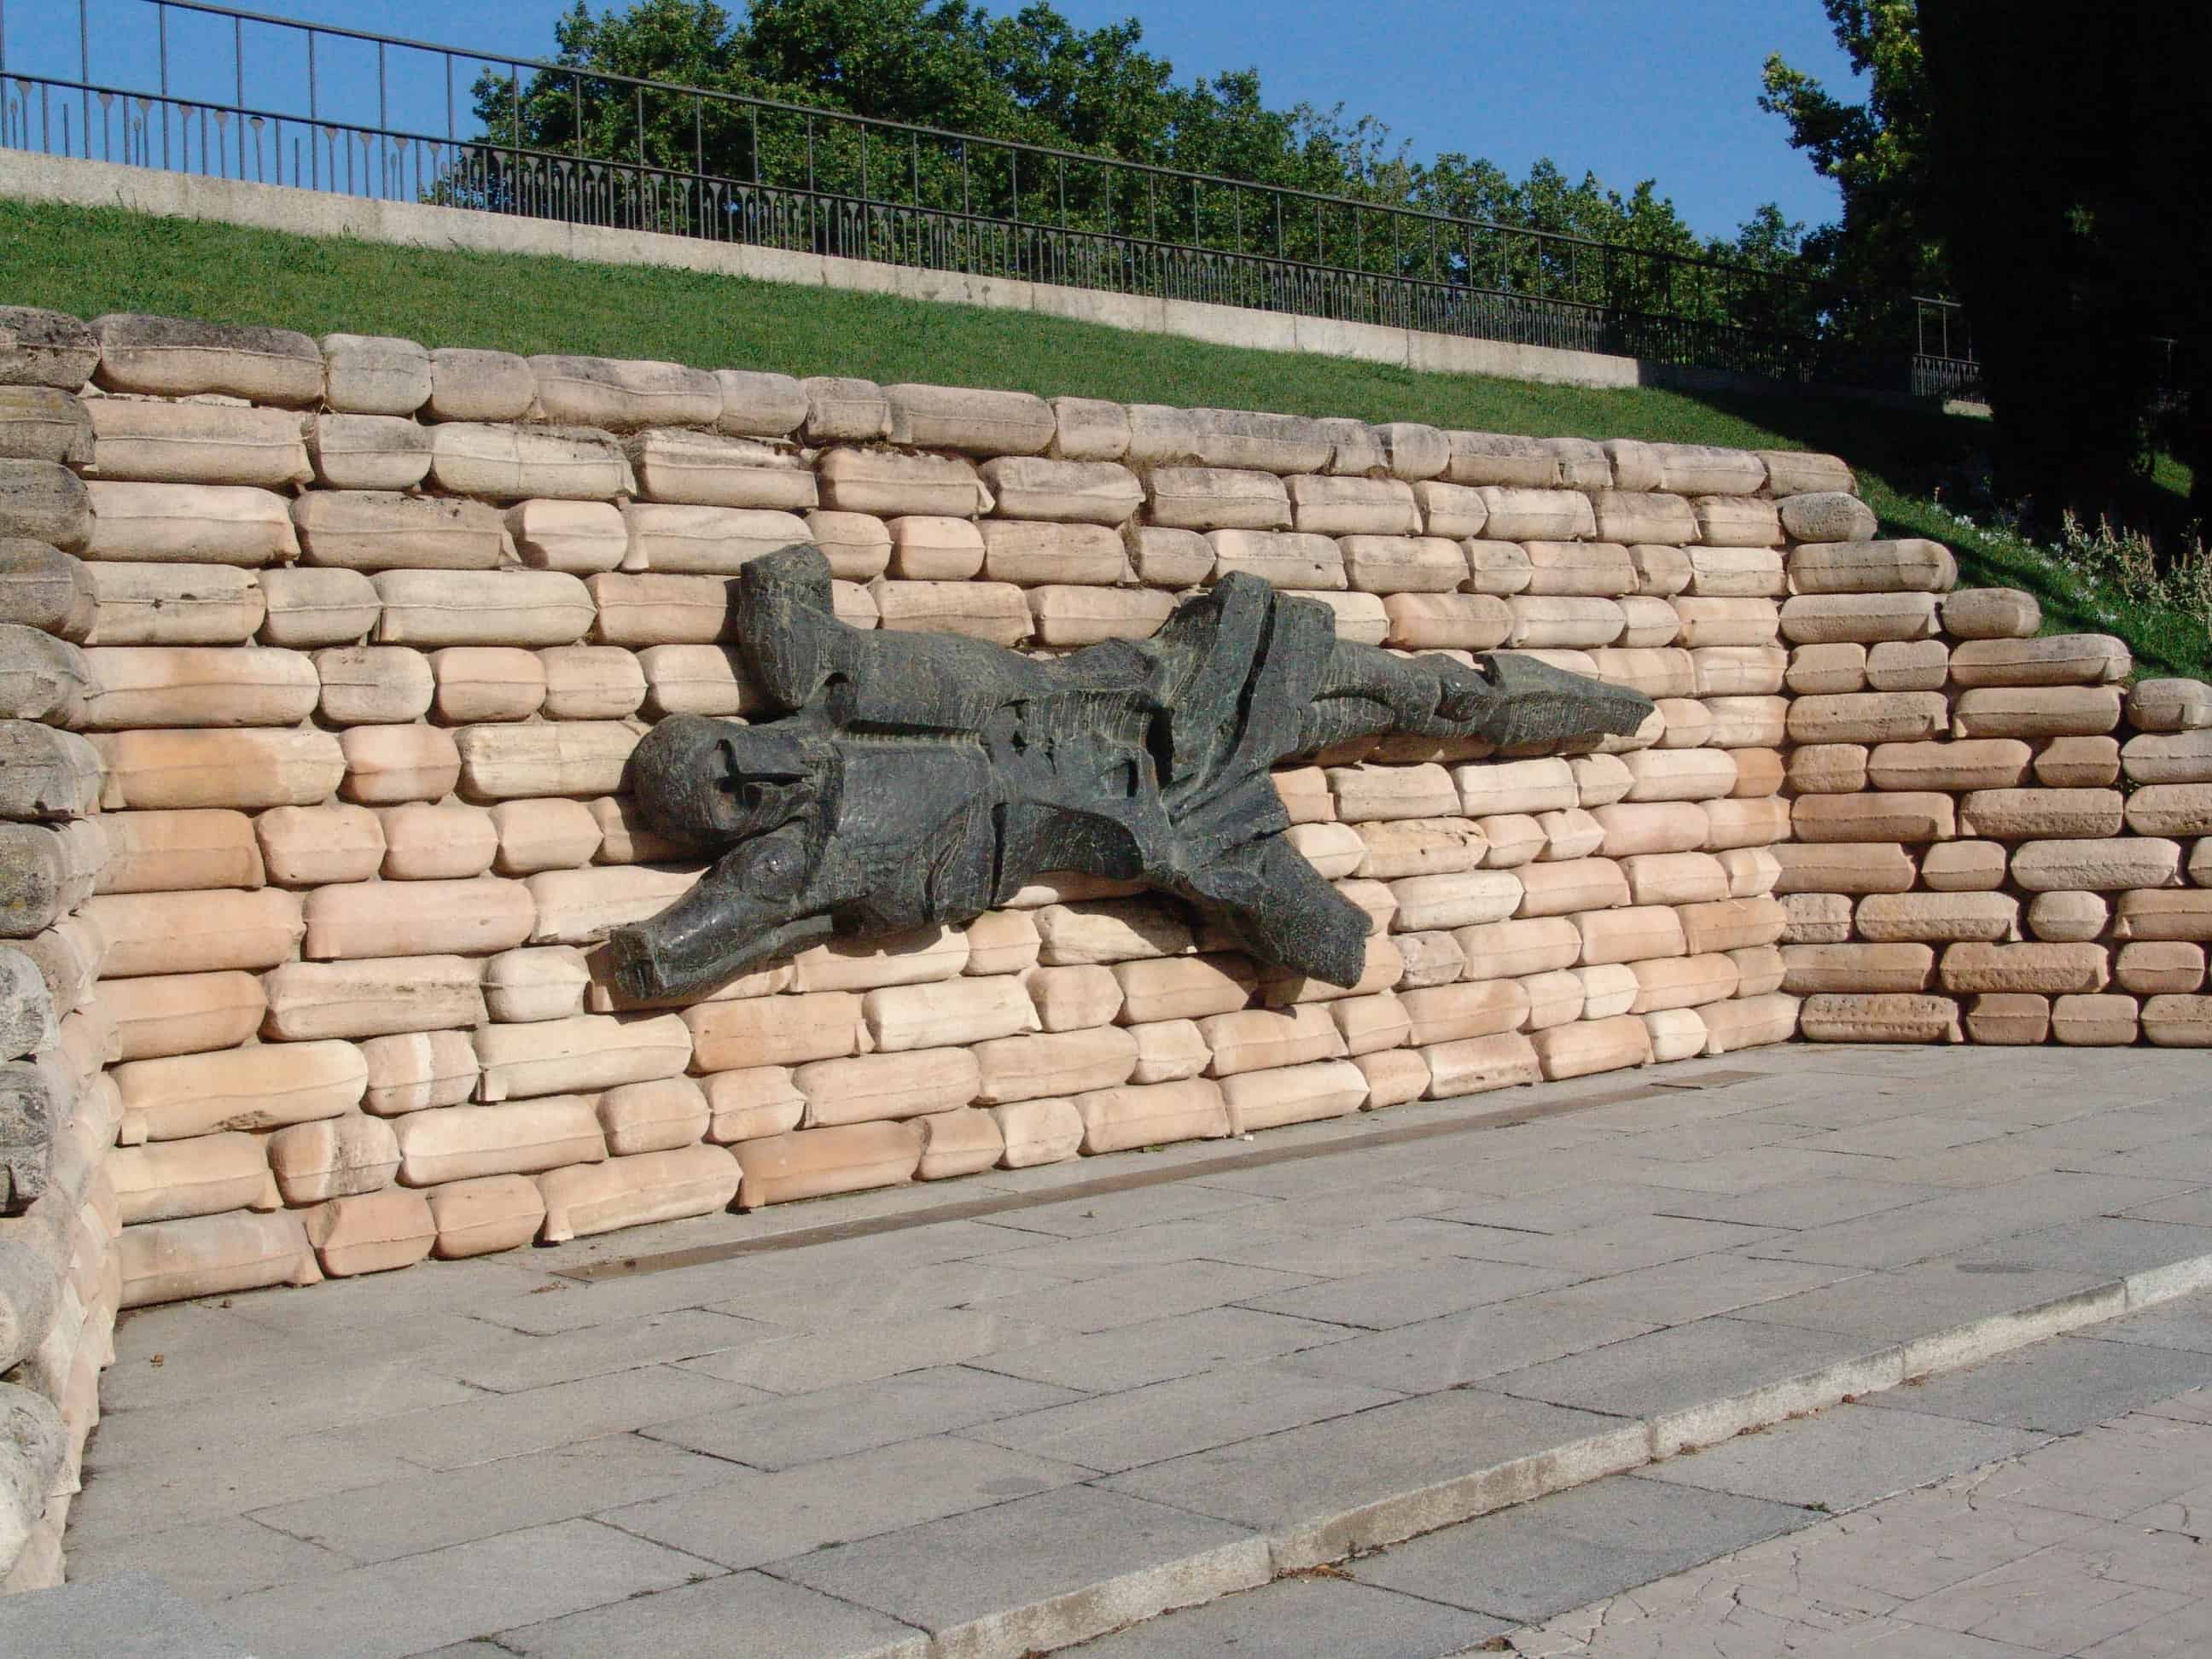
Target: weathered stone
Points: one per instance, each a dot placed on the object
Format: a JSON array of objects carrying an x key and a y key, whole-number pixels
[
  {"x": 1827, "y": 515},
  {"x": 2052, "y": 659},
  {"x": 373, "y": 374},
  {"x": 44, "y": 501},
  {"x": 377, "y": 529},
  {"x": 45, "y": 348},
  {"x": 511, "y": 463},
  {"x": 620, "y": 395},
  {"x": 40, "y": 423},
  {"x": 368, "y": 452},
  {"x": 303, "y": 607}
]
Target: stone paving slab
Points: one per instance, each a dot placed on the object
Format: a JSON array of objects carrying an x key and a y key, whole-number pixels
[
  {"x": 126, "y": 1615},
  {"x": 1575, "y": 1546},
  {"x": 2091, "y": 1545},
  {"x": 1321, "y": 1341},
  {"x": 1930, "y": 1536},
  {"x": 1309, "y": 1614}
]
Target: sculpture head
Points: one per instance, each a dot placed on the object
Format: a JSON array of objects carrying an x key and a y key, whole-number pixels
[{"x": 717, "y": 783}]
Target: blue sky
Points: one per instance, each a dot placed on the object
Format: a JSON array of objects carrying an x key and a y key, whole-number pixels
[{"x": 1628, "y": 89}]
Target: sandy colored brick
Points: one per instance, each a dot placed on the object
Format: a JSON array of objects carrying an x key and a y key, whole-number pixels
[
  {"x": 387, "y": 764},
  {"x": 1938, "y": 918},
  {"x": 1673, "y": 878},
  {"x": 1038, "y": 1132},
  {"x": 1633, "y": 827},
  {"x": 997, "y": 611},
  {"x": 380, "y": 997},
  {"x": 1114, "y": 1119},
  {"x": 212, "y": 1256},
  {"x": 581, "y": 539},
  {"x": 752, "y": 1102},
  {"x": 2176, "y": 914},
  {"x": 2068, "y": 918},
  {"x": 1826, "y": 670},
  {"x": 1908, "y": 665},
  {"x": 959, "y": 1142},
  {"x": 1860, "y": 617},
  {"x": 469, "y": 385},
  {"x": 2159, "y": 967},
  {"x": 1970, "y": 765},
  {"x": 1813, "y": 970},
  {"x": 374, "y": 374},
  {"x": 1843, "y": 1016},
  {"x": 166, "y": 1014},
  {"x": 418, "y": 1071},
  {"x": 578, "y": 907},
  {"x": 536, "y": 982},
  {"x": 193, "y": 443},
  {"x": 1496, "y": 457},
  {"x": 1853, "y": 867},
  {"x": 1870, "y": 717},
  {"x": 1883, "y": 814},
  {"x": 515, "y": 463},
  {"x": 167, "y": 1181},
  {"x": 2044, "y": 968},
  {"x": 304, "y": 608},
  {"x": 467, "y": 1143},
  {"x": 334, "y": 1157},
  {"x": 433, "y": 608},
  {"x": 2037, "y": 711},
  {"x": 436, "y": 842},
  {"x": 1256, "y": 1039},
  {"x": 1030, "y": 1067},
  {"x": 1495, "y": 567},
  {"x": 260, "y": 1088},
  {"x": 1541, "y": 621},
  {"x": 416, "y": 918},
  {"x": 1719, "y": 622},
  {"x": 707, "y": 469},
  {"x": 1873, "y": 569},
  {"x": 484, "y": 1215},
  {"x": 869, "y": 1088},
  {"x": 184, "y": 524}
]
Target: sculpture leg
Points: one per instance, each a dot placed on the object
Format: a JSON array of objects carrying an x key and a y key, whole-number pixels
[
  {"x": 1508, "y": 698},
  {"x": 1284, "y": 911}
]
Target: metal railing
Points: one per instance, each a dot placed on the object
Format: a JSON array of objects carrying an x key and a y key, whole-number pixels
[
  {"x": 552, "y": 141},
  {"x": 1943, "y": 362}
]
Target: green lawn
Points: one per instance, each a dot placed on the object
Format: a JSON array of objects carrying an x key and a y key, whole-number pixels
[{"x": 87, "y": 261}]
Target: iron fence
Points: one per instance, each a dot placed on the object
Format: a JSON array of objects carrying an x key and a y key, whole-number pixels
[{"x": 551, "y": 141}]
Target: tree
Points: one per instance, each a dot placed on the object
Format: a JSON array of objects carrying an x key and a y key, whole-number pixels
[
  {"x": 2073, "y": 199},
  {"x": 1883, "y": 250},
  {"x": 1033, "y": 78}
]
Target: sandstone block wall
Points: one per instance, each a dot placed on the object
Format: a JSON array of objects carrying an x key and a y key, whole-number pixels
[
  {"x": 322, "y": 662},
  {"x": 1997, "y": 837}
]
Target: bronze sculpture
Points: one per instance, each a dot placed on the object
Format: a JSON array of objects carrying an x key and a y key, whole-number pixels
[{"x": 920, "y": 778}]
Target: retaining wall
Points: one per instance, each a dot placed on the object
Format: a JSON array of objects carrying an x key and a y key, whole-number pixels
[{"x": 323, "y": 663}]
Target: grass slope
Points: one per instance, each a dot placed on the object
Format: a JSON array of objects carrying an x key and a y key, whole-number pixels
[{"x": 87, "y": 261}]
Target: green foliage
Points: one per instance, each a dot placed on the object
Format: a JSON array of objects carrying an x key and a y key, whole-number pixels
[
  {"x": 2075, "y": 200},
  {"x": 1885, "y": 249},
  {"x": 1033, "y": 78},
  {"x": 87, "y": 261}
]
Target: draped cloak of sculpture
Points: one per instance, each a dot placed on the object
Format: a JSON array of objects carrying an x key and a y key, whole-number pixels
[{"x": 915, "y": 779}]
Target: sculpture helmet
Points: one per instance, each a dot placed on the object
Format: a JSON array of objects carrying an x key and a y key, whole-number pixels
[{"x": 717, "y": 782}]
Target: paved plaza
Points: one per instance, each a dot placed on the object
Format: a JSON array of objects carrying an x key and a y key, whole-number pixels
[{"x": 884, "y": 1425}]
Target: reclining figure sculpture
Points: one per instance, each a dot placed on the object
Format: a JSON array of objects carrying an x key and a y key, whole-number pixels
[{"x": 914, "y": 778}]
